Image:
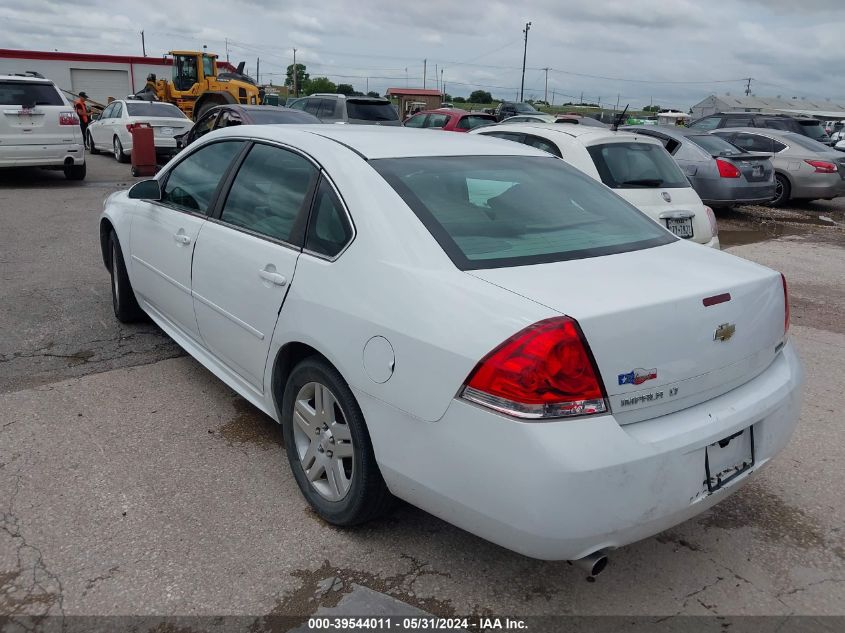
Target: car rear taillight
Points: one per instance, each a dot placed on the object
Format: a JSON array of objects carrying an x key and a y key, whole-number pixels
[
  {"x": 822, "y": 166},
  {"x": 785, "y": 305},
  {"x": 726, "y": 169},
  {"x": 714, "y": 228},
  {"x": 68, "y": 118},
  {"x": 545, "y": 371}
]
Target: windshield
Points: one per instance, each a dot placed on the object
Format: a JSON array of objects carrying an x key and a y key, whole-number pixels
[
  {"x": 632, "y": 165},
  {"x": 142, "y": 108},
  {"x": 370, "y": 111},
  {"x": 523, "y": 108},
  {"x": 497, "y": 211},
  {"x": 266, "y": 117},
  {"x": 27, "y": 93},
  {"x": 714, "y": 145}
]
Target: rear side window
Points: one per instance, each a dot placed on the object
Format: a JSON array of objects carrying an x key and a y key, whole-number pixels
[
  {"x": 191, "y": 184},
  {"x": 328, "y": 228},
  {"x": 755, "y": 143},
  {"x": 269, "y": 192},
  {"x": 437, "y": 120},
  {"x": 472, "y": 121},
  {"x": 636, "y": 165},
  {"x": 543, "y": 144},
  {"x": 714, "y": 145},
  {"x": 497, "y": 211},
  {"x": 370, "y": 110},
  {"x": 312, "y": 106},
  {"x": 328, "y": 109},
  {"x": 29, "y": 94}
]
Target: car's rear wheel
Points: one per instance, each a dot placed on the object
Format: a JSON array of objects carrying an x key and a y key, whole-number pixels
[
  {"x": 783, "y": 191},
  {"x": 328, "y": 446},
  {"x": 75, "y": 172},
  {"x": 124, "y": 303},
  {"x": 91, "y": 147},
  {"x": 119, "y": 156}
]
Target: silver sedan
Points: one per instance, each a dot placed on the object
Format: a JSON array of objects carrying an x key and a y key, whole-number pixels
[
  {"x": 721, "y": 174},
  {"x": 804, "y": 168}
]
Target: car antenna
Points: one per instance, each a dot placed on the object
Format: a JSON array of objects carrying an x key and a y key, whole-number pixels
[{"x": 619, "y": 118}]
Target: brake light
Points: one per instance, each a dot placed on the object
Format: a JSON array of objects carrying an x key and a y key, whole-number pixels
[
  {"x": 785, "y": 305},
  {"x": 822, "y": 166},
  {"x": 68, "y": 118},
  {"x": 543, "y": 371},
  {"x": 726, "y": 169},
  {"x": 714, "y": 228}
]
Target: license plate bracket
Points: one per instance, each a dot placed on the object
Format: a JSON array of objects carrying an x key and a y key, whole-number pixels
[
  {"x": 681, "y": 227},
  {"x": 728, "y": 458}
]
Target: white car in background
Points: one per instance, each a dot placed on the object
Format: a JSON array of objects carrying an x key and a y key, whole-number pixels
[
  {"x": 470, "y": 325},
  {"x": 635, "y": 166},
  {"x": 112, "y": 131},
  {"x": 38, "y": 127}
]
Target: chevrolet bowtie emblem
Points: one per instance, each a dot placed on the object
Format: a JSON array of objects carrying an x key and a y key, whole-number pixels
[{"x": 724, "y": 332}]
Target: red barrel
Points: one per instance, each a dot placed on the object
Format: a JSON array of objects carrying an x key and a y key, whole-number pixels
[{"x": 143, "y": 150}]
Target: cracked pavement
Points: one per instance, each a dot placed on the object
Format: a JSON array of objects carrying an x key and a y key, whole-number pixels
[{"x": 134, "y": 482}]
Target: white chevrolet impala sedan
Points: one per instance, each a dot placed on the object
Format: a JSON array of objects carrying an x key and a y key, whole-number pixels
[{"x": 465, "y": 323}]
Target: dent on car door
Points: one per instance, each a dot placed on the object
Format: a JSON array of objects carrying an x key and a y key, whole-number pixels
[
  {"x": 246, "y": 257},
  {"x": 164, "y": 233}
]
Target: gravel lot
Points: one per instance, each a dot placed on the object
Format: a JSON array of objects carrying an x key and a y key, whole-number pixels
[{"x": 134, "y": 482}]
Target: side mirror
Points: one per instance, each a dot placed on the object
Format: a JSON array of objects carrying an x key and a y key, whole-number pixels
[{"x": 146, "y": 190}]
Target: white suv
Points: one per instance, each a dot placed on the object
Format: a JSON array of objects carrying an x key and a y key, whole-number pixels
[{"x": 38, "y": 127}]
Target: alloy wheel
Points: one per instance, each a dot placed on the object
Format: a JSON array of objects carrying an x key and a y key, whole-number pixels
[
  {"x": 323, "y": 441},
  {"x": 118, "y": 150},
  {"x": 778, "y": 189}
]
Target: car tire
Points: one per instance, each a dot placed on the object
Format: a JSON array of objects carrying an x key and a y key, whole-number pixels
[
  {"x": 91, "y": 147},
  {"x": 124, "y": 303},
  {"x": 783, "y": 191},
  {"x": 75, "y": 172},
  {"x": 119, "y": 155},
  {"x": 346, "y": 490}
]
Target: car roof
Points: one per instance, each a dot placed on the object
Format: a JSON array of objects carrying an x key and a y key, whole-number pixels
[
  {"x": 457, "y": 111},
  {"x": 763, "y": 131},
  {"x": 669, "y": 130},
  {"x": 27, "y": 78},
  {"x": 584, "y": 133},
  {"x": 373, "y": 141}
]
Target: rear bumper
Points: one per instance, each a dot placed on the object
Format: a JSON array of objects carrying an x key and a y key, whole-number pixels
[
  {"x": 729, "y": 192},
  {"x": 562, "y": 490},
  {"x": 818, "y": 186},
  {"x": 41, "y": 155}
]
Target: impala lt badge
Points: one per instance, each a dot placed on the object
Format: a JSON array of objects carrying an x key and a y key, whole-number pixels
[
  {"x": 724, "y": 332},
  {"x": 637, "y": 376}
]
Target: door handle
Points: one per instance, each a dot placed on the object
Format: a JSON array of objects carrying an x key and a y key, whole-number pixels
[
  {"x": 182, "y": 238},
  {"x": 277, "y": 279}
]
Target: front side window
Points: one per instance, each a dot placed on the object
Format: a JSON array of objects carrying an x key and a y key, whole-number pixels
[
  {"x": 204, "y": 125},
  {"x": 632, "y": 165},
  {"x": 416, "y": 121},
  {"x": 269, "y": 192},
  {"x": 299, "y": 104},
  {"x": 496, "y": 211},
  {"x": 118, "y": 110},
  {"x": 328, "y": 228},
  {"x": 327, "y": 109},
  {"x": 312, "y": 106},
  {"x": 191, "y": 184},
  {"x": 437, "y": 120},
  {"x": 107, "y": 113}
]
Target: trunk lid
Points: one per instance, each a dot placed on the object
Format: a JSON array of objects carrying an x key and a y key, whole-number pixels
[
  {"x": 754, "y": 167},
  {"x": 683, "y": 202},
  {"x": 657, "y": 345},
  {"x": 165, "y": 127},
  {"x": 29, "y": 114}
]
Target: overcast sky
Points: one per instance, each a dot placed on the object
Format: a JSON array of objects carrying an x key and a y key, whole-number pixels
[{"x": 641, "y": 49}]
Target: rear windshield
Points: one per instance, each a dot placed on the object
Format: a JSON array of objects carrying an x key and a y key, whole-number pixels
[
  {"x": 636, "y": 165},
  {"x": 141, "y": 108},
  {"x": 807, "y": 143},
  {"x": 813, "y": 129},
  {"x": 266, "y": 117},
  {"x": 370, "y": 111},
  {"x": 500, "y": 211},
  {"x": 524, "y": 108},
  {"x": 714, "y": 145},
  {"x": 29, "y": 94}
]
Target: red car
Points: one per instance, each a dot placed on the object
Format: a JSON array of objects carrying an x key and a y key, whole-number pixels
[{"x": 450, "y": 119}]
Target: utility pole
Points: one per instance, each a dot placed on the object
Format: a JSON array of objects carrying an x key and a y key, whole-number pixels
[
  {"x": 295, "y": 75},
  {"x": 258, "y": 70},
  {"x": 524, "y": 55},
  {"x": 425, "y": 61},
  {"x": 436, "y": 77},
  {"x": 582, "y": 97},
  {"x": 143, "y": 45},
  {"x": 442, "y": 87},
  {"x": 406, "y": 76},
  {"x": 546, "y": 93},
  {"x": 617, "y": 102},
  {"x": 553, "y": 97},
  {"x": 748, "y": 86},
  {"x": 227, "y": 49}
]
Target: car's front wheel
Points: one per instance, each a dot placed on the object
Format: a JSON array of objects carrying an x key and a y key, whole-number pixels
[
  {"x": 328, "y": 446},
  {"x": 119, "y": 156},
  {"x": 124, "y": 303}
]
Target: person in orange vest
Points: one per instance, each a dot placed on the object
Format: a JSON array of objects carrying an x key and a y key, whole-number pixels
[{"x": 82, "y": 113}]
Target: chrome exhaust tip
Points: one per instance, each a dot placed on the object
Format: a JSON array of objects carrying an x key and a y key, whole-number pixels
[{"x": 593, "y": 564}]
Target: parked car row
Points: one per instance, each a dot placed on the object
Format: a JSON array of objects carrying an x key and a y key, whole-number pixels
[{"x": 542, "y": 365}]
